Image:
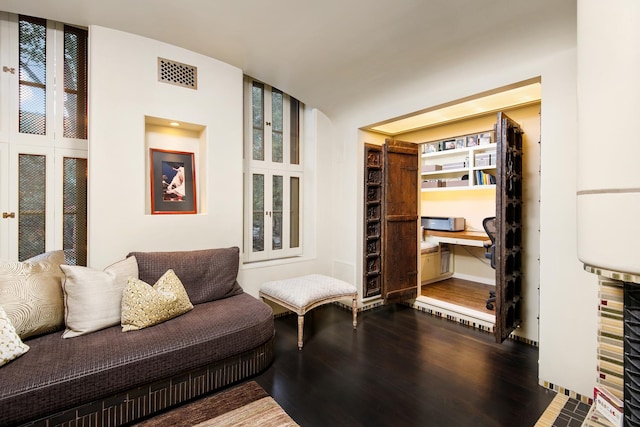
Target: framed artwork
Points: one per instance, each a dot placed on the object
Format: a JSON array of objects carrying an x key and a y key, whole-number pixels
[{"x": 173, "y": 182}]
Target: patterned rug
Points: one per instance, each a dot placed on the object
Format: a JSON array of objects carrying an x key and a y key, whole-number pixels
[{"x": 243, "y": 405}]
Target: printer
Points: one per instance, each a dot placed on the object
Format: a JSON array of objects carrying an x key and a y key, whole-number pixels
[{"x": 442, "y": 223}]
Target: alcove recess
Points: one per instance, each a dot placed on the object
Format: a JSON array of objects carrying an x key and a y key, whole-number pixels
[{"x": 177, "y": 135}]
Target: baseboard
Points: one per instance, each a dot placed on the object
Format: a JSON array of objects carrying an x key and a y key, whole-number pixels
[{"x": 483, "y": 280}]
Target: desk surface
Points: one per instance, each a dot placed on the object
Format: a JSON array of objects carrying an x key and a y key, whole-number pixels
[
  {"x": 466, "y": 235},
  {"x": 468, "y": 238}
]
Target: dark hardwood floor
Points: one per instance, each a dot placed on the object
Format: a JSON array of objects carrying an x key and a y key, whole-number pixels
[
  {"x": 460, "y": 292},
  {"x": 402, "y": 367}
]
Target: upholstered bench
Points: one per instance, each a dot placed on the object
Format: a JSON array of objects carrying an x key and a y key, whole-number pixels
[{"x": 301, "y": 294}]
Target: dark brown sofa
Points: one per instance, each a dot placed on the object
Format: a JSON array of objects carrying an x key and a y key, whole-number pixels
[{"x": 110, "y": 378}]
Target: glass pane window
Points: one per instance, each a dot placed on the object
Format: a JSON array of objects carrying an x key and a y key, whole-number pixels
[
  {"x": 294, "y": 131},
  {"x": 277, "y": 124},
  {"x": 33, "y": 75},
  {"x": 277, "y": 212},
  {"x": 31, "y": 205},
  {"x": 258, "y": 213},
  {"x": 75, "y": 83},
  {"x": 74, "y": 225},
  {"x": 257, "y": 104},
  {"x": 294, "y": 214}
]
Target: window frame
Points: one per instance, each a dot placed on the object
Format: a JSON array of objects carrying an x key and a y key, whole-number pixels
[
  {"x": 52, "y": 144},
  {"x": 269, "y": 169}
]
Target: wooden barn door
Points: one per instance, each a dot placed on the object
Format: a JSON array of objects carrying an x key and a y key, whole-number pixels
[
  {"x": 509, "y": 227},
  {"x": 400, "y": 225}
]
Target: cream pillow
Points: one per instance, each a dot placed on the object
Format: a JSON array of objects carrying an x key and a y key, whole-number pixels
[
  {"x": 143, "y": 305},
  {"x": 92, "y": 298},
  {"x": 11, "y": 346},
  {"x": 31, "y": 294}
]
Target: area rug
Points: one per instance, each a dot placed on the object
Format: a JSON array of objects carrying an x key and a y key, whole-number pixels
[{"x": 243, "y": 405}]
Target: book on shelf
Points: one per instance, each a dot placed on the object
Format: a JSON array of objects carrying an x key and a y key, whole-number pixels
[{"x": 483, "y": 178}]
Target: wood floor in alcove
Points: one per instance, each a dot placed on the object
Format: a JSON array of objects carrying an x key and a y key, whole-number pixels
[{"x": 465, "y": 293}]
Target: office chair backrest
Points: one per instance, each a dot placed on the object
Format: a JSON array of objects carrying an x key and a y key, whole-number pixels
[{"x": 489, "y": 225}]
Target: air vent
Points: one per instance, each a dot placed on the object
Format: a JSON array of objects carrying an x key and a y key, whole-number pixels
[{"x": 176, "y": 73}]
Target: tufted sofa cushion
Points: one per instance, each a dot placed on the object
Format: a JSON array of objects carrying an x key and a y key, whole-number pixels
[{"x": 207, "y": 275}]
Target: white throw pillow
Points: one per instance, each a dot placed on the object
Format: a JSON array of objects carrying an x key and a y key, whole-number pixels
[
  {"x": 93, "y": 297},
  {"x": 11, "y": 346}
]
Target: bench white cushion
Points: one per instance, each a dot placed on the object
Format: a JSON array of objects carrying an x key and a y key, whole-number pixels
[{"x": 304, "y": 290}]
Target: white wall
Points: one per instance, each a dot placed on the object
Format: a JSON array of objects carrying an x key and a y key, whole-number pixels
[
  {"x": 568, "y": 298},
  {"x": 123, "y": 90},
  {"x": 568, "y": 295}
]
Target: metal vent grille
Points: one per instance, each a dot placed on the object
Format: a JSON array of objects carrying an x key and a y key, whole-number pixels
[{"x": 176, "y": 73}]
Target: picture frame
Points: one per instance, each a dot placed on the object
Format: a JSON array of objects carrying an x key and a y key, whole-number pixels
[
  {"x": 432, "y": 147},
  {"x": 173, "y": 182},
  {"x": 484, "y": 138},
  {"x": 449, "y": 144},
  {"x": 472, "y": 140},
  {"x": 460, "y": 142}
]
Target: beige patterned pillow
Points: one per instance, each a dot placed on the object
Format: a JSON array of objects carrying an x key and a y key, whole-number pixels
[
  {"x": 31, "y": 294},
  {"x": 11, "y": 346},
  {"x": 143, "y": 305},
  {"x": 93, "y": 298}
]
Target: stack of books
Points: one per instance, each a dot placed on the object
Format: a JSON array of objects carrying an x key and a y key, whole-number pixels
[{"x": 607, "y": 409}]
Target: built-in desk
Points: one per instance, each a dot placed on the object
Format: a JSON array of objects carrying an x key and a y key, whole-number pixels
[
  {"x": 440, "y": 265},
  {"x": 467, "y": 238}
]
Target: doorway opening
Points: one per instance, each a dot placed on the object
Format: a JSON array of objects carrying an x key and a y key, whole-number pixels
[{"x": 459, "y": 288}]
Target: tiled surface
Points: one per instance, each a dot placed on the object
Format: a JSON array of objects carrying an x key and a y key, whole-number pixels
[
  {"x": 572, "y": 415},
  {"x": 564, "y": 411},
  {"x": 610, "y": 336}
]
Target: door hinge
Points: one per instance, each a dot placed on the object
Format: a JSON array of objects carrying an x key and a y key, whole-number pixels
[
  {"x": 8, "y": 215},
  {"x": 8, "y": 70}
]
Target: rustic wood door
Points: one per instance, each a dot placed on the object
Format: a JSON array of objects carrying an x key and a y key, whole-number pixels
[
  {"x": 509, "y": 227},
  {"x": 400, "y": 225}
]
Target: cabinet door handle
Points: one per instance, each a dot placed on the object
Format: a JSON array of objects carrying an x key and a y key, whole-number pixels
[{"x": 8, "y": 215}]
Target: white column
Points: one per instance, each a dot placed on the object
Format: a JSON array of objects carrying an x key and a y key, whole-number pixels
[{"x": 608, "y": 189}]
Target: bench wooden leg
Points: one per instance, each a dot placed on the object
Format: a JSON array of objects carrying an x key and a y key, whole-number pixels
[
  {"x": 355, "y": 312},
  {"x": 300, "y": 330}
]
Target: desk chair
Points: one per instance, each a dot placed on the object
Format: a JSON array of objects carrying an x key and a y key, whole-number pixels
[{"x": 489, "y": 225}]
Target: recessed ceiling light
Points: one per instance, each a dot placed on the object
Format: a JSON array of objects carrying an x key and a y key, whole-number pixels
[{"x": 174, "y": 124}]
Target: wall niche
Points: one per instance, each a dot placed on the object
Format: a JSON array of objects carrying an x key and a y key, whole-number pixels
[{"x": 169, "y": 144}]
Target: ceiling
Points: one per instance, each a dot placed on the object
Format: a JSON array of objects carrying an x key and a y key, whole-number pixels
[{"x": 328, "y": 53}]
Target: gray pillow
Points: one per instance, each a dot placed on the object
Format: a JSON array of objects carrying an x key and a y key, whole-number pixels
[{"x": 207, "y": 275}]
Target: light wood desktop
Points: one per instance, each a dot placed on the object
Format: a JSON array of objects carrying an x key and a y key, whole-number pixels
[{"x": 467, "y": 238}]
